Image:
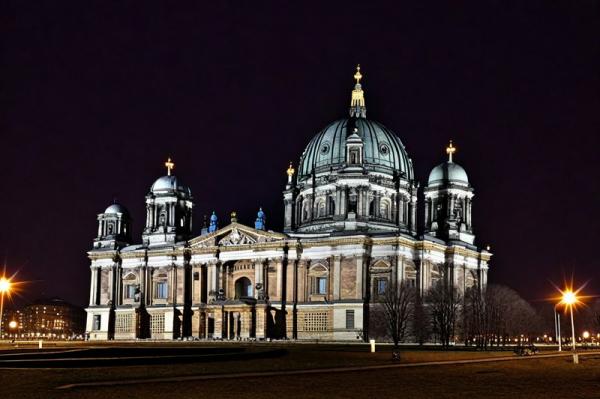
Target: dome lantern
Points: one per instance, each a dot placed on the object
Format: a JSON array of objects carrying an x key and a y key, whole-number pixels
[{"x": 357, "y": 102}]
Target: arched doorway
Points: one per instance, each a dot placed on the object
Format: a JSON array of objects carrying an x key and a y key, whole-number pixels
[{"x": 243, "y": 288}]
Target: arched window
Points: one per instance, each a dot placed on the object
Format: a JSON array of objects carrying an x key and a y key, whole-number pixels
[
  {"x": 131, "y": 289},
  {"x": 470, "y": 279},
  {"x": 318, "y": 279},
  {"x": 331, "y": 205},
  {"x": 321, "y": 211},
  {"x": 243, "y": 288},
  {"x": 384, "y": 209},
  {"x": 436, "y": 274},
  {"x": 410, "y": 273},
  {"x": 161, "y": 286}
]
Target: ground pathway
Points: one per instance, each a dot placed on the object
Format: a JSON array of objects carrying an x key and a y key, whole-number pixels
[{"x": 262, "y": 374}]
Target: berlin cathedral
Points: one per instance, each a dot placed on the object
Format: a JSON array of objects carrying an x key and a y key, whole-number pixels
[{"x": 350, "y": 233}]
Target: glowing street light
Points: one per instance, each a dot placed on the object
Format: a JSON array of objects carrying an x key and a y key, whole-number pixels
[
  {"x": 5, "y": 287},
  {"x": 569, "y": 298}
]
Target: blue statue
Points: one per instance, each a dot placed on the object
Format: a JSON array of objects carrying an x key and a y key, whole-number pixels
[
  {"x": 213, "y": 223},
  {"x": 260, "y": 220}
]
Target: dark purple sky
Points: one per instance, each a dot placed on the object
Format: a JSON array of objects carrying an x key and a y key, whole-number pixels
[{"x": 94, "y": 98}]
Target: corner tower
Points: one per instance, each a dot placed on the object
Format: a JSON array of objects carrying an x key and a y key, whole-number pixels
[
  {"x": 114, "y": 228},
  {"x": 354, "y": 176},
  {"x": 168, "y": 210},
  {"x": 449, "y": 202}
]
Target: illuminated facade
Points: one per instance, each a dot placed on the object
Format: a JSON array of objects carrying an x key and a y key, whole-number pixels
[{"x": 350, "y": 231}]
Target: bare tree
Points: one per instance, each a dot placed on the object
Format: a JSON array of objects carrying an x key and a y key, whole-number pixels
[
  {"x": 398, "y": 305},
  {"x": 421, "y": 325},
  {"x": 444, "y": 304},
  {"x": 476, "y": 318},
  {"x": 596, "y": 315},
  {"x": 495, "y": 314}
]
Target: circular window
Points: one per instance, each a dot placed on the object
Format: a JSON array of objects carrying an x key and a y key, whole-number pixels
[
  {"x": 325, "y": 148},
  {"x": 384, "y": 149}
]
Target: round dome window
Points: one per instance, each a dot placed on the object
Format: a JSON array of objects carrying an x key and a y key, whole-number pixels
[{"x": 384, "y": 149}]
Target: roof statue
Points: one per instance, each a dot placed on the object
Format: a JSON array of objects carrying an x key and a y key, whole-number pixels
[
  {"x": 290, "y": 172},
  {"x": 259, "y": 224},
  {"x": 213, "y": 226}
]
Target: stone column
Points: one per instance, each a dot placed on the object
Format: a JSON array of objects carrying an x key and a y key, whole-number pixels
[
  {"x": 427, "y": 216},
  {"x": 401, "y": 273},
  {"x": 212, "y": 281},
  {"x": 261, "y": 321},
  {"x": 257, "y": 268},
  {"x": 279, "y": 280},
  {"x": 359, "y": 277},
  {"x": 237, "y": 324},
  {"x": 337, "y": 277},
  {"x": 218, "y": 315},
  {"x": 413, "y": 214},
  {"x": 93, "y": 286},
  {"x": 111, "y": 283}
]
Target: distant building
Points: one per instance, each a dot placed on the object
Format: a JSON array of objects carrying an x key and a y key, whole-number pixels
[
  {"x": 350, "y": 232},
  {"x": 51, "y": 318}
]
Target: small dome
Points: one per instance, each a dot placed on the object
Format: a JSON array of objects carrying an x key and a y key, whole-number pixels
[
  {"x": 448, "y": 172},
  {"x": 117, "y": 208},
  {"x": 169, "y": 184}
]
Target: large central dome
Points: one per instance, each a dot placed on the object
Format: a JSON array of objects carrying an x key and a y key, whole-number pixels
[
  {"x": 354, "y": 175},
  {"x": 383, "y": 151}
]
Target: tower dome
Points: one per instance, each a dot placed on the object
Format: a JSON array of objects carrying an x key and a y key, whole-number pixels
[
  {"x": 168, "y": 210},
  {"x": 169, "y": 184},
  {"x": 117, "y": 208},
  {"x": 448, "y": 172},
  {"x": 449, "y": 202}
]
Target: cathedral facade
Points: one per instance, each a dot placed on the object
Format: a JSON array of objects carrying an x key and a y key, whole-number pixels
[{"x": 350, "y": 234}]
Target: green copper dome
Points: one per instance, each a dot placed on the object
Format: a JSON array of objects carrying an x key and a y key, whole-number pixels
[{"x": 383, "y": 151}]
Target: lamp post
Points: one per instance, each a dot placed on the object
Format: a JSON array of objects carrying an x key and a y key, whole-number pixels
[
  {"x": 569, "y": 298},
  {"x": 557, "y": 328},
  {"x": 5, "y": 285}
]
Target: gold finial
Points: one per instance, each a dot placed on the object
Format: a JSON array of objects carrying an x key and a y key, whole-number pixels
[
  {"x": 358, "y": 75},
  {"x": 291, "y": 171},
  {"x": 357, "y": 102},
  {"x": 450, "y": 150},
  {"x": 170, "y": 166},
  {"x": 233, "y": 217}
]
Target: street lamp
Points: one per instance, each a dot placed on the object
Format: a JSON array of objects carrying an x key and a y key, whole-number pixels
[
  {"x": 5, "y": 286},
  {"x": 557, "y": 327},
  {"x": 569, "y": 298}
]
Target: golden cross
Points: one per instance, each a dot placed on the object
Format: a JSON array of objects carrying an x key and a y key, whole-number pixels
[
  {"x": 450, "y": 150},
  {"x": 170, "y": 165},
  {"x": 357, "y": 75}
]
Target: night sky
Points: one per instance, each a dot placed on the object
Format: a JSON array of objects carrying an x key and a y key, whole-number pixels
[{"x": 96, "y": 95}]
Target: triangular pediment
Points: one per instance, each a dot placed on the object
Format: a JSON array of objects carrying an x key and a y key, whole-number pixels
[{"x": 235, "y": 234}]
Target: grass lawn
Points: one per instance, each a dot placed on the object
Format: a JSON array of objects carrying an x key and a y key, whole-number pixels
[{"x": 531, "y": 378}]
